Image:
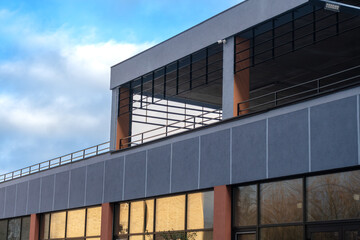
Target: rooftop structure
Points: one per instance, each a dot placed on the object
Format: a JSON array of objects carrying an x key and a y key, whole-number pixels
[{"x": 245, "y": 126}]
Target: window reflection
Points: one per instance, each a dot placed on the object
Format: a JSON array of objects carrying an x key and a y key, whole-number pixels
[
  {"x": 25, "y": 228},
  {"x": 276, "y": 233},
  {"x": 170, "y": 213},
  {"x": 93, "y": 221},
  {"x": 200, "y": 210},
  {"x": 122, "y": 218},
  {"x": 57, "y": 226},
  {"x": 334, "y": 196},
  {"x": 281, "y": 202},
  {"x": 3, "y": 229},
  {"x": 245, "y": 206},
  {"x": 137, "y": 212},
  {"x": 14, "y": 229},
  {"x": 149, "y": 215}
]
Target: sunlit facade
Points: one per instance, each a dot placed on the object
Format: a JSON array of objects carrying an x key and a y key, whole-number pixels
[{"x": 244, "y": 127}]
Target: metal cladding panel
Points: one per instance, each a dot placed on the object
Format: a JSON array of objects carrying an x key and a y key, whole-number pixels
[
  {"x": 10, "y": 199},
  {"x": 47, "y": 193},
  {"x": 61, "y": 197},
  {"x": 34, "y": 196},
  {"x": 288, "y": 144},
  {"x": 334, "y": 137},
  {"x": 77, "y": 187},
  {"x": 2, "y": 202},
  {"x": 114, "y": 176},
  {"x": 226, "y": 24},
  {"x": 135, "y": 167},
  {"x": 21, "y": 198},
  {"x": 249, "y": 152},
  {"x": 185, "y": 165},
  {"x": 158, "y": 171},
  {"x": 94, "y": 183},
  {"x": 215, "y": 159}
]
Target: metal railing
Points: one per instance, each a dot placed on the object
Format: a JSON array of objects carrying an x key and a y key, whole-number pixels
[
  {"x": 59, "y": 161},
  {"x": 312, "y": 88},
  {"x": 173, "y": 128}
]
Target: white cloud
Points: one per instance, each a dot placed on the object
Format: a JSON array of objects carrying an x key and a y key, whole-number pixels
[{"x": 55, "y": 90}]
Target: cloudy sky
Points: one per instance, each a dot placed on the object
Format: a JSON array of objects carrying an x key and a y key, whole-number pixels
[{"x": 55, "y": 59}]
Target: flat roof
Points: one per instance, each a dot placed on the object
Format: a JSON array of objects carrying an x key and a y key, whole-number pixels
[{"x": 221, "y": 26}]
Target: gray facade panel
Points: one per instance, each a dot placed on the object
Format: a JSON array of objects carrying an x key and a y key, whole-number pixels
[
  {"x": 334, "y": 135},
  {"x": 2, "y": 202},
  {"x": 249, "y": 152},
  {"x": 158, "y": 170},
  {"x": 215, "y": 159},
  {"x": 61, "y": 197},
  {"x": 34, "y": 196},
  {"x": 21, "y": 198},
  {"x": 135, "y": 175},
  {"x": 185, "y": 165},
  {"x": 94, "y": 183},
  {"x": 113, "y": 187},
  {"x": 288, "y": 144},
  {"x": 47, "y": 193},
  {"x": 10, "y": 197},
  {"x": 77, "y": 187}
]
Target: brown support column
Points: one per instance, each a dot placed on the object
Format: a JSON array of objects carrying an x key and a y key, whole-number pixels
[
  {"x": 222, "y": 213},
  {"x": 242, "y": 77},
  {"x": 123, "y": 121},
  {"x": 106, "y": 221},
  {"x": 34, "y": 227}
]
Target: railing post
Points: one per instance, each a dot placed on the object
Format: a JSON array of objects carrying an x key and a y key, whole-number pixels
[
  {"x": 276, "y": 97},
  {"x": 194, "y": 121},
  {"x": 20, "y": 172},
  {"x": 166, "y": 130},
  {"x": 83, "y": 153},
  {"x": 97, "y": 149},
  {"x": 142, "y": 138},
  {"x": 120, "y": 143},
  {"x": 317, "y": 85}
]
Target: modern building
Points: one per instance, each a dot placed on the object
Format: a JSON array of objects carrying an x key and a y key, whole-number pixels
[{"x": 245, "y": 126}]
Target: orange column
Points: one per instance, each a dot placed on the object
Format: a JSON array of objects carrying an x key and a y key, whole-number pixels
[
  {"x": 34, "y": 227},
  {"x": 242, "y": 77},
  {"x": 123, "y": 121},
  {"x": 106, "y": 221},
  {"x": 222, "y": 213}
]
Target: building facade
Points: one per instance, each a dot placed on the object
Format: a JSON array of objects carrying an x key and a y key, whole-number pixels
[{"x": 245, "y": 126}]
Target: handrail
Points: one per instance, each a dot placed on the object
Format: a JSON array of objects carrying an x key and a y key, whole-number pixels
[
  {"x": 319, "y": 88},
  {"x": 59, "y": 161}
]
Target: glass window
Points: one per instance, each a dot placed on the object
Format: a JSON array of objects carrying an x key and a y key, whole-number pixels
[
  {"x": 45, "y": 224},
  {"x": 14, "y": 229},
  {"x": 122, "y": 218},
  {"x": 170, "y": 213},
  {"x": 57, "y": 226},
  {"x": 149, "y": 215},
  {"x": 334, "y": 196},
  {"x": 75, "y": 223},
  {"x": 200, "y": 210},
  {"x": 281, "y": 202},
  {"x": 137, "y": 212},
  {"x": 25, "y": 228},
  {"x": 245, "y": 206},
  {"x": 3, "y": 229},
  {"x": 276, "y": 233},
  {"x": 202, "y": 235},
  {"x": 93, "y": 221}
]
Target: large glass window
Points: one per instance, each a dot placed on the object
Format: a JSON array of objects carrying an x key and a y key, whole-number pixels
[
  {"x": 72, "y": 224},
  {"x": 334, "y": 196},
  {"x": 15, "y": 228},
  {"x": 245, "y": 206},
  {"x": 175, "y": 216}
]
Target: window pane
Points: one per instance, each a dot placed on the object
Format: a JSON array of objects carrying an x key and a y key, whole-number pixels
[
  {"x": 149, "y": 237},
  {"x": 149, "y": 217},
  {"x": 3, "y": 229},
  {"x": 14, "y": 229},
  {"x": 44, "y": 226},
  {"x": 57, "y": 226},
  {"x": 245, "y": 206},
  {"x": 25, "y": 228},
  {"x": 200, "y": 210},
  {"x": 170, "y": 213},
  {"x": 75, "y": 223},
  {"x": 93, "y": 221},
  {"x": 276, "y": 233},
  {"x": 137, "y": 211},
  {"x": 121, "y": 219},
  {"x": 206, "y": 235},
  {"x": 334, "y": 196},
  {"x": 281, "y": 202},
  {"x": 136, "y": 237}
]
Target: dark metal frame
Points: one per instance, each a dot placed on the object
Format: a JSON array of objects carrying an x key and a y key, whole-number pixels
[{"x": 304, "y": 223}]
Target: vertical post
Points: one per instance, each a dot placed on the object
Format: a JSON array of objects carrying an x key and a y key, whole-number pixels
[
  {"x": 106, "y": 221},
  {"x": 34, "y": 232},
  {"x": 222, "y": 213}
]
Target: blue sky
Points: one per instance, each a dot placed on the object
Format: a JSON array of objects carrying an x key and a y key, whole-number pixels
[{"x": 55, "y": 59}]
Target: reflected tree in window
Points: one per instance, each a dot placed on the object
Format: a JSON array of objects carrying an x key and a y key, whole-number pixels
[
  {"x": 245, "y": 206},
  {"x": 334, "y": 196},
  {"x": 283, "y": 233}
]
